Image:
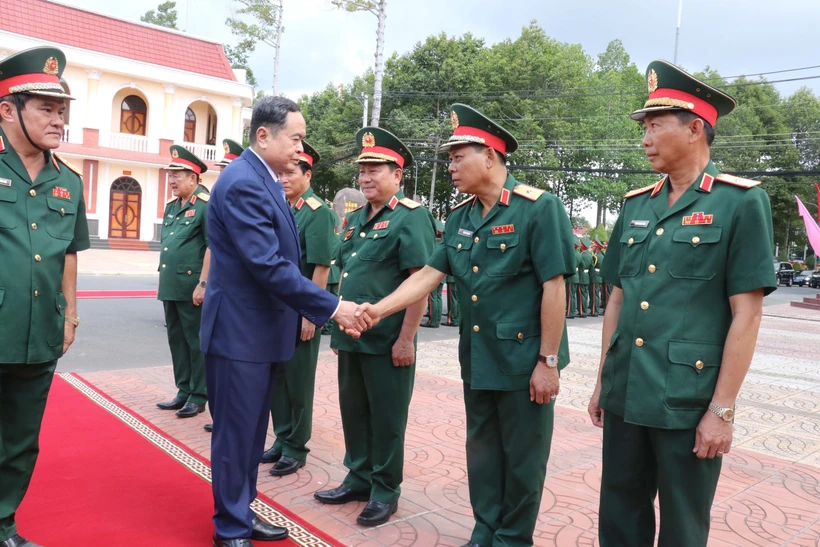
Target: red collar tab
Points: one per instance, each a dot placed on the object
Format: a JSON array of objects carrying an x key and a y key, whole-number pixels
[
  {"x": 306, "y": 158},
  {"x": 686, "y": 101},
  {"x": 2, "y": 145},
  {"x": 658, "y": 187},
  {"x": 299, "y": 204},
  {"x": 393, "y": 202},
  {"x": 493, "y": 141},
  {"x": 505, "y": 197},
  {"x": 707, "y": 182},
  {"x": 188, "y": 164}
]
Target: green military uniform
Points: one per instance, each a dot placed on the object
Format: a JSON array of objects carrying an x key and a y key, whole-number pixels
[
  {"x": 500, "y": 263},
  {"x": 434, "y": 307},
  {"x": 374, "y": 396},
  {"x": 678, "y": 266},
  {"x": 184, "y": 242},
  {"x": 453, "y": 309},
  {"x": 595, "y": 280},
  {"x": 572, "y": 285},
  {"x": 292, "y": 403},
  {"x": 41, "y": 221},
  {"x": 584, "y": 277},
  {"x": 603, "y": 291},
  {"x": 232, "y": 151},
  {"x": 334, "y": 276}
]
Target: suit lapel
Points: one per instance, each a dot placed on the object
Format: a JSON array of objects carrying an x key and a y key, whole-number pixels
[{"x": 270, "y": 184}]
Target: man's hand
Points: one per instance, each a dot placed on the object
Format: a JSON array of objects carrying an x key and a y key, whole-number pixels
[
  {"x": 713, "y": 437},
  {"x": 544, "y": 384},
  {"x": 347, "y": 320},
  {"x": 68, "y": 336},
  {"x": 199, "y": 295},
  {"x": 596, "y": 413},
  {"x": 404, "y": 353},
  {"x": 367, "y": 309},
  {"x": 308, "y": 330}
]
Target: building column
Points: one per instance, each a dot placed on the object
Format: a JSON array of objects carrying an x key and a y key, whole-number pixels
[
  {"x": 91, "y": 128},
  {"x": 236, "y": 120},
  {"x": 168, "y": 119}
]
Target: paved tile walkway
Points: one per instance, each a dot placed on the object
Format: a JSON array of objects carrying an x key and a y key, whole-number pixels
[
  {"x": 768, "y": 494},
  {"x": 117, "y": 262}
]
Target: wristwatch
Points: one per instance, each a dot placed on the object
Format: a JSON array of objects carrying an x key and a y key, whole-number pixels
[
  {"x": 73, "y": 320},
  {"x": 203, "y": 284},
  {"x": 728, "y": 414},
  {"x": 550, "y": 360}
]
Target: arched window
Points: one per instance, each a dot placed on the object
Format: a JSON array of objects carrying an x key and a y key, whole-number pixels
[
  {"x": 126, "y": 184},
  {"x": 132, "y": 115},
  {"x": 190, "y": 126}
]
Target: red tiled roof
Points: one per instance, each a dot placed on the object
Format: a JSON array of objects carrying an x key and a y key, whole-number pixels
[{"x": 79, "y": 28}]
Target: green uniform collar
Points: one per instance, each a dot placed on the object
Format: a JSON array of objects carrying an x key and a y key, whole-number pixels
[
  {"x": 309, "y": 193},
  {"x": 702, "y": 185},
  {"x": 391, "y": 204},
  {"x": 12, "y": 159},
  {"x": 503, "y": 201}
]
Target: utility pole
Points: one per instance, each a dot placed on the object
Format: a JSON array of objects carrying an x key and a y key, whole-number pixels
[
  {"x": 435, "y": 167},
  {"x": 677, "y": 32},
  {"x": 279, "y": 30},
  {"x": 366, "y": 101}
]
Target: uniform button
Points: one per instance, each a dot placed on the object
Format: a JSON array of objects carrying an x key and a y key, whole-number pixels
[
  {"x": 345, "y": 274},
  {"x": 189, "y": 272},
  {"x": 503, "y": 246},
  {"x": 659, "y": 232},
  {"x": 520, "y": 335},
  {"x": 477, "y": 239},
  {"x": 32, "y": 192},
  {"x": 163, "y": 265},
  {"x": 354, "y": 254},
  {"x": 62, "y": 212},
  {"x": 37, "y": 258},
  {"x": 165, "y": 249},
  {"x": 652, "y": 268},
  {"x": 699, "y": 365},
  {"x": 36, "y": 293},
  {"x": 33, "y": 225},
  {"x": 187, "y": 222},
  {"x": 375, "y": 236},
  {"x": 639, "y": 342},
  {"x": 644, "y": 305},
  {"x": 696, "y": 240},
  {"x": 476, "y": 329},
  {"x": 459, "y": 246},
  {"x": 362, "y": 234},
  {"x": 631, "y": 240},
  {"x": 172, "y": 233},
  {"x": 475, "y": 298},
  {"x": 475, "y": 269}
]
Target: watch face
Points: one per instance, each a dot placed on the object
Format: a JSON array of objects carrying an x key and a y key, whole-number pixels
[{"x": 729, "y": 414}]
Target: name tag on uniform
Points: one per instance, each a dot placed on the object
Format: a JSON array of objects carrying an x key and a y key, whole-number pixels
[
  {"x": 505, "y": 229},
  {"x": 465, "y": 233},
  {"x": 5, "y": 182},
  {"x": 190, "y": 213},
  {"x": 639, "y": 224},
  {"x": 381, "y": 225},
  {"x": 60, "y": 192}
]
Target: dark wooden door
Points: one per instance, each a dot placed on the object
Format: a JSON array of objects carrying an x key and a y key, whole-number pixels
[{"x": 125, "y": 209}]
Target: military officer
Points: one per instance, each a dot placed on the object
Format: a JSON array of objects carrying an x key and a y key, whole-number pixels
[
  {"x": 691, "y": 261},
  {"x": 453, "y": 310},
  {"x": 232, "y": 151},
  {"x": 606, "y": 287},
  {"x": 385, "y": 241},
  {"x": 594, "y": 280},
  {"x": 509, "y": 248},
  {"x": 574, "y": 303},
  {"x": 335, "y": 275},
  {"x": 292, "y": 402},
  {"x": 183, "y": 276},
  {"x": 434, "y": 304},
  {"x": 584, "y": 276},
  {"x": 42, "y": 227},
  {"x": 600, "y": 254}
]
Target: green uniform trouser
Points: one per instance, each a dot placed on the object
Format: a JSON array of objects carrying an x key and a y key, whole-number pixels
[
  {"x": 642, "y": 462},
  {"x": 434, "y": 306},
  {"x": 291, "y": 409},
  {"x": 334, "y": 290},
  {"x": 594, "y": 302},
  {"x": 183, "y": 320},
  {"x": 453, "y": 308},
  {"x": 603, "y": 291},
  {"x": 575, "y": 300},
  {"x": 584, "y": 290},
  {"x": 23, "y": 394},
  {"x": 506, "y": 463},
  {"x": 374, "y": 397}
]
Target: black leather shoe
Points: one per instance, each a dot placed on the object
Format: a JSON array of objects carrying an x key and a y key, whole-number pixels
[
  {"x": 286, "y": 466},
  {"x": 176, "y": 404},
  {"x": 271, "y": 455},
  {"x": 340, "y": 495},
  {"x": 262, "y": 531},
  {"x": 17, "y": 541},
  {"x": 376, "y": 512},
  {"x": 243, "y": 542},
  {"x": 190, "y": 410},
  {"x": 209, "y": 428}
]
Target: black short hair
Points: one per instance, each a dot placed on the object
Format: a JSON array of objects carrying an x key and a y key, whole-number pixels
[
  {"x": 17, "y": 99},
  {"x": 305, "y": 167},
  {"x": 687, "y": 117},
  {"x": 499, "y": 156},
  {"x": 272, "y": 113}
]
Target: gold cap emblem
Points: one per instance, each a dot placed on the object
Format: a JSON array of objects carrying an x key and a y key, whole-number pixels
[
  {"x": 652, "y": 80},
  {"x": 454, "y": 119},
  {"x": 368, "y": 140},
  {"x": 174, "y": 154},
  {"x": 227, "y": 148},
  {"x": 52, "y": 66}
]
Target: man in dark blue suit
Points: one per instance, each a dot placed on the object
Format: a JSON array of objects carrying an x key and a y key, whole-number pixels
[{"x": 250, "y": 317}]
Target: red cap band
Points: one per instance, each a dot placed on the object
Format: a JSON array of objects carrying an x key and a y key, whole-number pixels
[
  {"x": 494, "y": 142},
  {"x": 306, "y": 158},
  {"x": 230, "y": 157},
  {"x": 22, "y": 79},
  {"x": 701, "y": 107},
  {"x": 382, "y": 151},
  {"x": 189, "y": 164}
]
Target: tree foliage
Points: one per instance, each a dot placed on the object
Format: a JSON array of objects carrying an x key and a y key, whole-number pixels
[{"x": 164, "y": 16}]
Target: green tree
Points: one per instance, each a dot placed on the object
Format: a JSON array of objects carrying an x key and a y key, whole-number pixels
[
  {"x": 258, "y": 21},
  {"x": 238, "y": 57},
  {"x": 164, "y": 16}
]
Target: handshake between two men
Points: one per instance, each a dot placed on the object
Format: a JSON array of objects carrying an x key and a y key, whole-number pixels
[{"x": 354, "y": 319}]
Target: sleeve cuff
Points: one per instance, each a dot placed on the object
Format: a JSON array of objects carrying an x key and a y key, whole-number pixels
[{"x": 339, "y": 305}]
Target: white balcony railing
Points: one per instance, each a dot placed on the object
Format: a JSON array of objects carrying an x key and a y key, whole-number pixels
[
  {"x": 205, "y": 152},
  {"x": 66, "y": 129},
  {"x": 132, "y": 143}
]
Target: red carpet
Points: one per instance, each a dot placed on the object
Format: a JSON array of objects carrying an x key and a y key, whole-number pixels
[
  {"x": 116, "y": 294},
  {"x": 101, "y": 482}
]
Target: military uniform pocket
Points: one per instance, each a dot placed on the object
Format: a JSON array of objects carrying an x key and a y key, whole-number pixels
[
  {"x": 8, "y": 209},
  {"x": 693, "y": 373},
  {"x": 56, "y": 327},
  {"x": 695, "y": 252},
  {"x": 632, "y": 248},
  {"x": 61, "y": 218},
  {"x": 458, "y": 254},
  {"x": 608, "y": 372},
  {"x": 519, "y": 343},
  {"x": 189, "y": 269},
  {"x": 504, "y": 258},
  {"x": 376, "y": 247}
]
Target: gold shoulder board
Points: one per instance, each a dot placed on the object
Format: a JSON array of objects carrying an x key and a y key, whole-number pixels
[
  {"x": 409, "y": 203},
  {"x": 737, "y": 181},
  {"x": 313, "y": 203},
  {"x": 463, "y": 203},
  {"x": 640, "y": 191},
  {"x": 204, "y": 196},
  {"x": 69, "y": 165},
  {"x": 529, "y": 192}
]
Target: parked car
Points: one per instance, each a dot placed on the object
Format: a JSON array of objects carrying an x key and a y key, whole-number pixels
[
  {"x": 784, "y": 272},
  {"x": 814, "y": 282},
  {"x": 802, "y": 278}
]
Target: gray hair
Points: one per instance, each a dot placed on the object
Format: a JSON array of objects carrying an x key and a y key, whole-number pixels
[{"x": 272, "y": 113}]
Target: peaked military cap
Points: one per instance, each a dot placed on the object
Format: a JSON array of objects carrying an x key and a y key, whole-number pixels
[
  {"x": 182, "y": 158},
  {"x": 310, "y": 156},
  {"x": 670, "y": 88},
  {"x": 586, "y": 243},
  {"x": 472, "y": 127},
  {"x": 35, "y": 71},
  {"x": 232, "y": 151},
  {"x": 597, "y": 244},
  {"x": 380, "y": 146}
]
